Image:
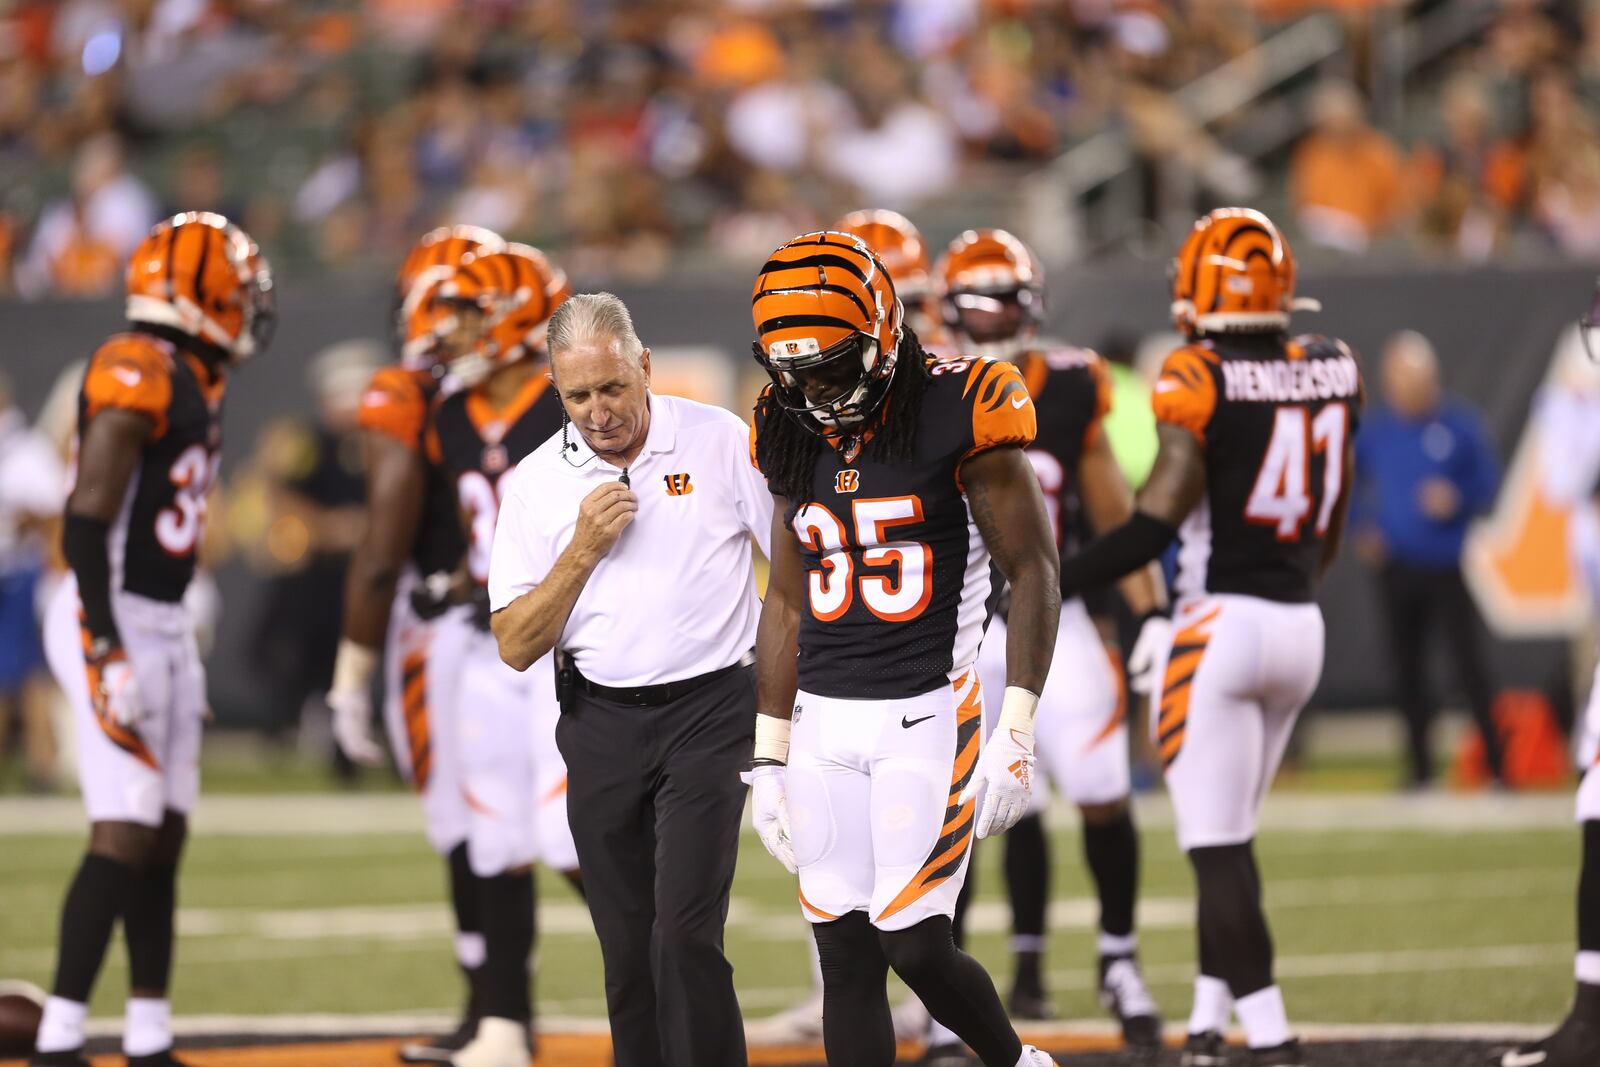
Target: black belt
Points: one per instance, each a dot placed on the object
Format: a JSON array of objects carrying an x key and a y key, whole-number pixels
[{"x": 642, "y": 696}]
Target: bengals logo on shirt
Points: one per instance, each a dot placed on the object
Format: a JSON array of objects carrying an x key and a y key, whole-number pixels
[{"x": 678, "y": 484}]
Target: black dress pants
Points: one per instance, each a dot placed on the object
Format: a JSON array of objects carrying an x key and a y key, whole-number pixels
[
  {"x": 655, "y": 802},
  {"x": 1420, "y": 601}
]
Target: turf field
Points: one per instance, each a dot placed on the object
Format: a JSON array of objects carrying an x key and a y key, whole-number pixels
[{"x": 1386, "y": 911}]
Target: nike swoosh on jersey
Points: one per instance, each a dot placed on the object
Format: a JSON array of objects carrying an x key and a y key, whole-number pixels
[
  {"x": 127, "y": 376},
  {"x": 1166, "y": 386},
  {"x": 1524, "y": 1059},
  {"x": 1018, "y": 401},
  {"x": 909, "y": 723}
]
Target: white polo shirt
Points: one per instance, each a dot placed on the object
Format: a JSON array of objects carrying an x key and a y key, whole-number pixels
[{"x": 676, "y": 595}]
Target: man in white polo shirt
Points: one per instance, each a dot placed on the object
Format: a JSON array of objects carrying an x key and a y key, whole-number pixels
[{"x": 625, "y": 544}]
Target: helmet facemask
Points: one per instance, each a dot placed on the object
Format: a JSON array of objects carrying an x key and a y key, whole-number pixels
[
  {"x": 834, "y": 390},
  {"x": 997, "y": 323}
]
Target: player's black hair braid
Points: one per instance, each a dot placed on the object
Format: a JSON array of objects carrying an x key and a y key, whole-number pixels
[{"x": 787, "y": 452}]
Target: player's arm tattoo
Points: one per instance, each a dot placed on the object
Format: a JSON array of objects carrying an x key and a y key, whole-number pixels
[
  {"x": 396, "y": 477},
  {"x": 1003, "y": 493},
  {"x": 1109, "y": 502},
  {"x": 1341, "y": 508},
  {"x": 778, "y": 633}
]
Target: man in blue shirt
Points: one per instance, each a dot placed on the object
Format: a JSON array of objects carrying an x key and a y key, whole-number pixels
[{"x": 1425, "y": 470}]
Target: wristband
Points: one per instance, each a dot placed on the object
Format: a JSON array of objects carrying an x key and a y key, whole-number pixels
[
  {"x": 353, "y": 667},
  {"x": 772, "y": 741},
  {"x": 1017, "y": 709}
]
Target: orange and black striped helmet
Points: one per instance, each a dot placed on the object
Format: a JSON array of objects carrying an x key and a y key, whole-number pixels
[
  {"x": 431, "y": 261},
  {"x": 199, "y": 273},
  {"x": 515, "y": 290},
  {"x": 1234, "y": 273},
  {"x": 991, "y": 292},
  {"x": 899, "y": 244},
  {"x": 828, "y": 328}
]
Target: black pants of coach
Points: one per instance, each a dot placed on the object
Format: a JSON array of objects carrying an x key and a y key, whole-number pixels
[
  {"x": 1421, "y": 601},
  {"x": 655, "y": 802}
]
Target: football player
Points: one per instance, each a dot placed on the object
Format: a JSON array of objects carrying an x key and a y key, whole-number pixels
[
  {"x": 1576, "y": 1041},
  {"x": 1253, "y": 478},
  {"x": 495, "y": 312},
  {"x": 119, "y": 640},
  {"x": 991, "y": 295},
  {"x": 396, "y": 602},
  {"x": 905, "y": 255},
  {"x": 900, "y": 490}
]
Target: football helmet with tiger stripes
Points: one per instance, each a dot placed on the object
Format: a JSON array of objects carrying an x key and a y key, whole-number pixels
[
  {"x": 198, "y": 273},
  {"x": 1235, "y": 273},
  {"x": 828, "y": 328},
  {"x": 514, "y": 292}
]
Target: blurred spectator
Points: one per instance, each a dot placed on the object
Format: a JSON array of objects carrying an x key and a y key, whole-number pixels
[
  {"x": 198, "y": 185},
  {"x": 83, "y": 239},
  {"x": 874, "y": 156},
  {"x": 1425, "y": 470},
  {"x": 1344, "y": 179},
  {"x": 1465, "y": 185},
  {"x": 32, "y": 493},
  {"x": 314, "y": 496}
]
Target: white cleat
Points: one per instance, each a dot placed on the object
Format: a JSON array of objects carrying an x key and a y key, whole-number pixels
[
  {"x": 1032, "y": 1057},
  {"x": 499, "y": 1043},
  {"x": 799, "y": 1025},
  {"x": 911, "y": 1020}
]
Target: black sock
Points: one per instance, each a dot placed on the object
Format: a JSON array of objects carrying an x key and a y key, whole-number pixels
[
  {"x": 464, "y": 901},
  {"x": 1234, "y": 928},
  {"x": 147, "y": 927},
  {"x": 1027, "y": 862},
  {"x": 857, "y": 1028},
  {"x": 954, "y": 987},
  {"x": 505, "y": 904},
  {"x": 94, "y": 901},
  {"x": 1589, "y": 889},
  {"x": 1112, "y": 851}
]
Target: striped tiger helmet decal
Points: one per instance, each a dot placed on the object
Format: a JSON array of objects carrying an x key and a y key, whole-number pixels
[
  {"x": 991, "y": 292},
  {"x": 199, "y": 273},
  {"x": 1234, "y": 273},
  {"x": 827, "y": 323},
  {"x": 431, "y": 261},
  {"x": 516, "y": 290},
  {"x": 899, "y": 244}
]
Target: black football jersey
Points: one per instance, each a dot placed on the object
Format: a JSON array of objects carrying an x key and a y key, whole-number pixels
[
  {"x": 157, "y": 534},
  {"x": 475, "y": 446},
  {"x": 1071, "y": 393},
  {"x": 900, "y": 586},
  {"x": 396, "y": 403},
  {"x": 1274, "y": 416}
]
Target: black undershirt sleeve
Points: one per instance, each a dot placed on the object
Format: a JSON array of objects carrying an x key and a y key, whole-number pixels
[
  {"x": 1115, "y": 553},
  {"x": 83, "y": 542}
]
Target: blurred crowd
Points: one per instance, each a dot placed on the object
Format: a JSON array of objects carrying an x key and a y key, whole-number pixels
[{"x": 621, "y": 132}]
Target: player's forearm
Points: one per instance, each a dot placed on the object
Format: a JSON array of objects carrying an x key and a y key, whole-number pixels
[
  {"x": 529, "y": 627},
  {"x": 1134, "y": 544},
  {"x": 1031, "y": 627},
  {"x": 83, "y": 542},
  {"x": 1144, "y": 590},
  {"x": 369, "y": 591},
  {"x": 777, "y": 645}
]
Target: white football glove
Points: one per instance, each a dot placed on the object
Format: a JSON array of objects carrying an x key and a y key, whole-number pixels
[
  {"x": 1155, "y": 637},
  {"x": 352, "y": 726},
  {"x": 118, "y": 698},
  {"x": 350, "y": 700},
  {"x": 1005, "y": 765},
  {"x": 769, "y": 813}
]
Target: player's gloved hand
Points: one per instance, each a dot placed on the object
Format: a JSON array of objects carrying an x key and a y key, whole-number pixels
[
  {"x": 1155, "y": 637},
  {"x": 769, "y": 807},
  {"x": 350, "y": 700},
  {"x": 352, "y": 726},
  {"x": 1005, "y": 765},
  {"x": 431, "y": 597},
  {"x": 114, "y": 689}
]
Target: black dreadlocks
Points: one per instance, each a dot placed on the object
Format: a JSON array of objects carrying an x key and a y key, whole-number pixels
[{"x": 787, "y": 452}]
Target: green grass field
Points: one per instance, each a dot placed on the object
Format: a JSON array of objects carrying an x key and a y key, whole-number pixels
[{"x": 1383, "y": 912}]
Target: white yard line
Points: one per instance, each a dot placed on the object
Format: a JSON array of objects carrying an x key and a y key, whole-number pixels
[{"x": 324, "y": 815}]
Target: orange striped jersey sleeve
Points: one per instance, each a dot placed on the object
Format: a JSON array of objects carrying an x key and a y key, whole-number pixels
[
  {"x": 130, "y": 373},
  {"x": 394, "y": 405},
  {"x": 1186, "y": 392},
  {"x": 1002, "y": 409}
]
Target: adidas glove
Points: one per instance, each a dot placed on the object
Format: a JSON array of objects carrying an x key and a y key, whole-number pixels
[
  {"x": 1005, "y": 765},
  {"x": 1155, "y": 637},
  {"x": 350, "y": 700},
  {"x": 113, "y": 687}
]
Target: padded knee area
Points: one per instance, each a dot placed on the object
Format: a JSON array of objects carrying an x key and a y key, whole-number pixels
[{"x": 920, "y": 951}]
